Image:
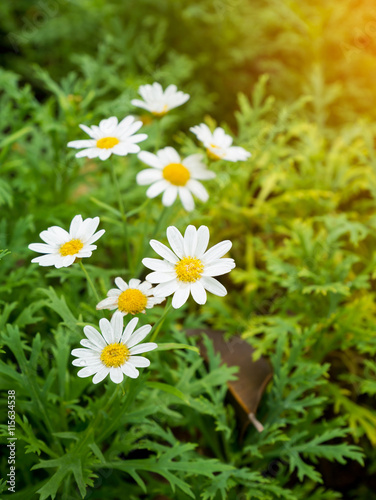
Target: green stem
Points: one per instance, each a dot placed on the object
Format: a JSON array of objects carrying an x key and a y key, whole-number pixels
[
  {"x": 161, "y": 320},
  {"x": 159, "y": 222},
  {"x": 131, "y": 387},
  {"x": 123, "y": 215},
  {"x": 158, "y": 134},
  {"x": 89, "y": 280},
  {"x": 144, "y": 249},
  {"x": 94, "y": 422}
]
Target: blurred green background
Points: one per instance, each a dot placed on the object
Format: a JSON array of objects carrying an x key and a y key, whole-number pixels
[{"x": 214, "y": 48}]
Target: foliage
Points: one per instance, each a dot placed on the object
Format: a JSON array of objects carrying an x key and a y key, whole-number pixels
[{"x": 300, "y": 213}]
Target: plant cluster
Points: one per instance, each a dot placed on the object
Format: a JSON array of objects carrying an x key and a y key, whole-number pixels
[{"x": 299, "y": 211}]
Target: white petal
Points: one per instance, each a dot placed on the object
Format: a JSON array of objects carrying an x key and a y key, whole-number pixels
[
  {"x": 148, "y": 176},
  {"x": 117, "y": 325},
  {"x": 140, "y": 104},
  {"x": 236, "y": 153},
  {"x": 87, "y": 143},
  {"x": 106, "y": 153},
  {"x": 129, "y": 330},
  {"x": 202, "y": 240},
  {"x": 129, "y": 370},
  {"x": 87, "y": 371},
  {"x": 109, "y": 125},
  {"x": 190, "y": 241},
  {"x": 168, "y": 155},
  {"x": 160, "y": 277},
  {"x": 198, "y": 292},
  {"x": 120, "y": 283},
  {"x": 218, "y": 251},
  {"x": 138, "y": 336},
  {"x": 116, "y": 375},
  {"x": 42, "y": 248},
  {"x": 157, "y": 188},
  {"x": 51, "y": 238},
  {"x": 163, "y": 251},
  {"x": 90, "y": 345},
  {"x": 217, "y": 269},
  {"x": 133, "y": 139},
  {"x": 101, "y": 374},
  {"x": 139, "y": 349},
  {"x": 95, "y": 237},
  {"x": 75, "y": 225},
  {"x": 60, "y": 234},
  {"x": 126, "y": 123},
  {"x": 88, "y": 228},
  {"x": 85, "y": 353},
  {"x": 194, "y": 161},
  {"x": 107, "y": 330},
  {"x": 138, "y": 361},
  {"x": 146, "y": 287},
  {"x": 169, "y": 196},
  {"x": 198, "y": 190},
  {"x": 220, "y": 138},
  {"x": 158, "y": 265},
  {"x": 213, "y": 286},
  {"x": 150, "y": 159},
  {"x": 133, "y": 283},
  {"x": 45, "y": 260},
  {"x": 89, "y": 153},
  {"x": 122, "y": 149},
  {"x": 127, "y": 131},
  {"x": 176, "y": 242},
  {"x": 166, "y": 289},
  {"x": 186, "y": 199},
  {"x": 202, "y": 133},
  {"x": 181, "y": 296},
  {"x": 92, "y": 133},
  {"x": 94, "y": 336}
]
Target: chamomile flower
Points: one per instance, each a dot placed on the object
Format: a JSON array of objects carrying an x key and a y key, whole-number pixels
[
  {"x": 113, "y": 351},
  {"x": 218, "y": 144},
  {"x": 62, "y": 248},
  {"x": 157, "y": 101},
  {"x": 173, "y": 176},
  {"x": 110, "y": 137},
  {"x": 189, "y": 268},
  {"x": 133, "y": 298}
]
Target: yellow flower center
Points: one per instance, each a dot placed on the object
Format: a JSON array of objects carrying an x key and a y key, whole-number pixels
[
  {"x": 189, "y": 269},
  {"x": 107, "y": 142},
  {"x": 177, "y": 174},
  {"x": 162, "y": 112},
  {"x": 211, "y": 154},
  {"x": 71, "y": 247},
  {"x": 132, "y": 301},
  {"x": 115, "y": 355}
]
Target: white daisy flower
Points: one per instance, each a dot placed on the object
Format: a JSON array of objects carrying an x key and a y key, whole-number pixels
[
  {"x": 189, "y": 268},
  {"x": 133, "y": 298},
  {"x": 157, "y": 101},
  {"x": 110, "y": 137},
  {"x": 62, "y": 248},
  {"x": 218, "y": 144},
  {"x": 172, "y": 176},
  {"x": 113, "y": 351}
]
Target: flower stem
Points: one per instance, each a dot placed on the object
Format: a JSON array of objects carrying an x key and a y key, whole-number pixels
[
  {"x": 158, "y": 325},
  {"x": 94, "y": 423},
  {"x": 89, "y": 280},
  {"x": 158, "y": 133},
  {"x": 123, "y": 215}
]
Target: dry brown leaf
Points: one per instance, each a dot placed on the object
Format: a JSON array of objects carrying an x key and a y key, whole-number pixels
[{"x": 253, "y": 376}]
